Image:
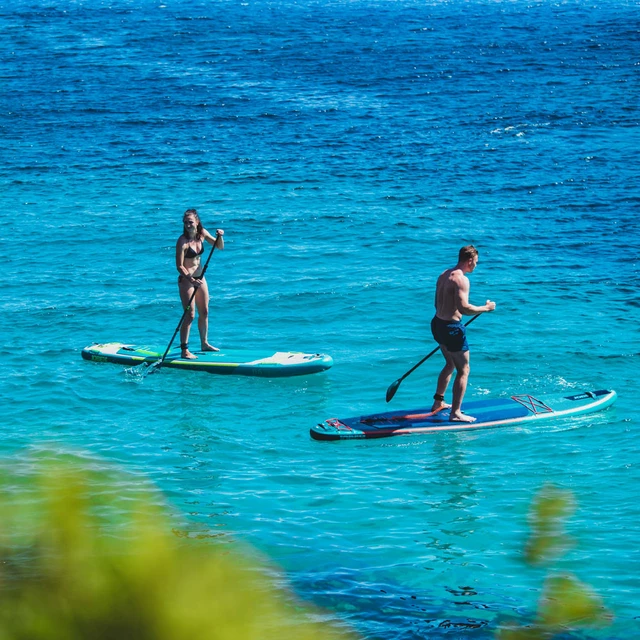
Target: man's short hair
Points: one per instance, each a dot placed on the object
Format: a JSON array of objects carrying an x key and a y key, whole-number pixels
[{"x": 467, "y": 253}]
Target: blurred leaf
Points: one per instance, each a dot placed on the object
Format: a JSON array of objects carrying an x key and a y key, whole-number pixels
[
  {"x": 567, "y": 603},
  {"x": 548, "y": 512}
]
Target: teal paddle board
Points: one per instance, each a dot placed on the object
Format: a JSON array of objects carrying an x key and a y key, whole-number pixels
[
  {"x": 489, "y": 413},
  {"x": 243, "y": 362}
]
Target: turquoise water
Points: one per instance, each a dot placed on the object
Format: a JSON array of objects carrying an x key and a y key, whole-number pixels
[{"x": 348, "y": 150}]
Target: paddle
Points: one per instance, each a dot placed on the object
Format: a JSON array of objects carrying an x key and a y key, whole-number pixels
[
  {"x": 158, "y": 363},
  {"x": 393, "y": 387}
]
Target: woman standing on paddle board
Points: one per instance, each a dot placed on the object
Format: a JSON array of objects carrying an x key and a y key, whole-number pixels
[{"x": 189, "y": 249}]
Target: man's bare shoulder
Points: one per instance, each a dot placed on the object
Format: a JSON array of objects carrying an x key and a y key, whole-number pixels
[
  {"x": 460, "y": 279},
  {"x": 446, "y": 274}
]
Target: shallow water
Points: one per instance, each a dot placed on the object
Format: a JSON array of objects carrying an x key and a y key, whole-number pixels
[{"x": 348, "y": 150}]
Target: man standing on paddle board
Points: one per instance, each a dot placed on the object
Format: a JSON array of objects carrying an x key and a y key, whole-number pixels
[{"x": 452, "y": 302}]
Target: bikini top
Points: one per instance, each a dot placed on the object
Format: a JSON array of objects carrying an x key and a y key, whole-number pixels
[{"x": 191, "y": 253}]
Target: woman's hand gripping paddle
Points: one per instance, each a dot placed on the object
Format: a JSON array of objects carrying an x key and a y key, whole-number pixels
[
  {"x": 393, "y": 387},
  {"x": 152, "y": 368}
]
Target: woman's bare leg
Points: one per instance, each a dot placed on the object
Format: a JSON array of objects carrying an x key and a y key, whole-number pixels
[
  {"x": 186, "y": 291},
  {"x": 202, "y": 301}
]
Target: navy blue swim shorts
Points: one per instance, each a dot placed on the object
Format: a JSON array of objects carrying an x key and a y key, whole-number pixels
[{"x": 453, "y": 335}]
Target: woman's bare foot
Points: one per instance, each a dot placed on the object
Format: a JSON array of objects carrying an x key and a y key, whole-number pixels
[
  {"x": 207, "y": 347},
  {"x": 187, "y": 355},
  {"x": 461, "y": 417}
]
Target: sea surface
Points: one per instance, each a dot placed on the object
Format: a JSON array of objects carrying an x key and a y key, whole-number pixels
[{"x": 348, "y": 150}]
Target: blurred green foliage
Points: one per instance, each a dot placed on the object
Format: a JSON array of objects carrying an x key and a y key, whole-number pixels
[
  {"x": 83, "y": 557},
  {"x": 548, "y": 540},
  {"x": 566, "y": 603}
]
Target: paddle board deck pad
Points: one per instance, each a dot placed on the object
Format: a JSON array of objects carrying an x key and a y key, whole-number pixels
[
  {"x": 490, "y": 413},
  {"x": 244, "y": 362}
]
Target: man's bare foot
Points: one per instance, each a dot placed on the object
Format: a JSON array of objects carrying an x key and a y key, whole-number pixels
[
  {"x": 207, "y": 347},
  {"x": 439, "y": 406},
  {"x": 187, "y": 355},
  {"x": 461, "y": 417}
]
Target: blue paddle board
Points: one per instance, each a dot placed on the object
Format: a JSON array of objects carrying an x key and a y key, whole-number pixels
[
  {"x": 490, "y": 413},
  {"x": 243, "y": 362}
]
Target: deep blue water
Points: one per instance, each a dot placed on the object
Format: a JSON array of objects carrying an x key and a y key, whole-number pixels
[{"x": 348, "y": 149}]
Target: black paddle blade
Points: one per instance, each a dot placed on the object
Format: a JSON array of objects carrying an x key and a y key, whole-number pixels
[{"x": 393, "y": 387}]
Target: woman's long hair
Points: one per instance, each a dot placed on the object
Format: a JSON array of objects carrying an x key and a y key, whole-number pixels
[{"x": 199, "y": 231}]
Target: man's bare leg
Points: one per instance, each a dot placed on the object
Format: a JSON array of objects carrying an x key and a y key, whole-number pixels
[
  {"x": 461, "y": 361},
  {"x": 443, "y": 382}
]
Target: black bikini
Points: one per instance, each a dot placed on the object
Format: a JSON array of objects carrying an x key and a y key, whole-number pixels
[{"x": 191, "y": 253}]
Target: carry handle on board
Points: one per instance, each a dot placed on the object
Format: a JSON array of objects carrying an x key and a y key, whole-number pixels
[
  {"x": 393, "y": 387},
  {"x": 158, "y": 363}
]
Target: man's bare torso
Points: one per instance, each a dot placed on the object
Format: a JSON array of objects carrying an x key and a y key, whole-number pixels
[{"x": 448, "y": 294}]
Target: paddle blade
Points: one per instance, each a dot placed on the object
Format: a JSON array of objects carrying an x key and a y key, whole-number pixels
[
  {"x": 151, "y": 368},
  {"x": 138, "y": 372},
  {"x": 393, "y": 387}
]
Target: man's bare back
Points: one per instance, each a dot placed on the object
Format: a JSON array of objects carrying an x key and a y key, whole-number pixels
[{"x": 448, "y": 289}]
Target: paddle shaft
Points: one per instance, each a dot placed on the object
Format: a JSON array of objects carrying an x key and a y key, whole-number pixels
[
  {"x": 158, "y": 364},
  {"x": 391, "y": 391}
]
